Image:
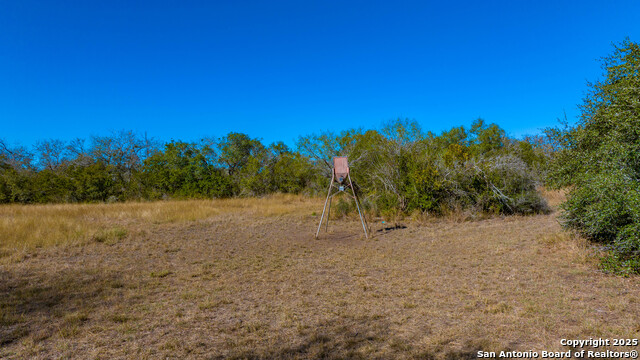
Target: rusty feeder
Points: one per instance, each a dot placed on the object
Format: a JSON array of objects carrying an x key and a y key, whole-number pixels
[{"x": 339, "y": 177}]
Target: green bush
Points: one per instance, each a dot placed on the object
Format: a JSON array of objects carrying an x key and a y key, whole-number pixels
[
  {"x": 600, "y": 159},
  {"x": 402, "y": 170},
  {"x": 182, "y": 170}
]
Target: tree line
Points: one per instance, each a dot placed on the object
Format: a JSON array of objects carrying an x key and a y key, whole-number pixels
[{"x": 398, "y": 168}]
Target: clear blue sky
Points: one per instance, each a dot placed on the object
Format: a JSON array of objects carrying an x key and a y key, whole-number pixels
[{"x": 279, "y": 69}]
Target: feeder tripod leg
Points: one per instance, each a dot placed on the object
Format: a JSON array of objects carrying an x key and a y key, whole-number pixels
[
  {"x": 355, "y": 197},
  {"x": 325, "y": 206},
  {"x": 326, "y": 229}
]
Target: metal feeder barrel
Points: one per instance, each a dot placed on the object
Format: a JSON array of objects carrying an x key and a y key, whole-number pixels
[{"x": 340, "y": 168}]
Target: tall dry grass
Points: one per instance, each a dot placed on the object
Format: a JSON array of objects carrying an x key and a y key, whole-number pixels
[
  {"x": 31, "y": 226},
  {"x": 554, "y": 197},
  {"x": 24, "y": 227}
]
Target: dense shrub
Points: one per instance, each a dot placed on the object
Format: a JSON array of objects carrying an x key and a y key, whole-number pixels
[
  {"x": 600, "y": 159},
  {"x": 90, "y": 183},
  {"x": 399, "y": 168},
  {"x": 182, "y": 170}
]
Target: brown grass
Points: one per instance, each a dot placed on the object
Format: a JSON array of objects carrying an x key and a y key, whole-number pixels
[
  {"x": 32, "y": 226},
  {"x": 554, "y": 197},
  {"x": 245, "y": 279}
]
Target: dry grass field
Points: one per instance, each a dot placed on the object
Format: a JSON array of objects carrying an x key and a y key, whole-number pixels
[{"x": 245, "y": 279}]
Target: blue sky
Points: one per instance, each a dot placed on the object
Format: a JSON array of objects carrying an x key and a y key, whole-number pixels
[{"x": 279, "y": 69}]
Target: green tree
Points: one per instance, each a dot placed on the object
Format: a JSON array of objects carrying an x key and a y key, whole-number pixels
[
  {"x": 486, "y": 138},
  {"x": 286, "y": 171},
  {"x": 600, "y": 158},
  {"x": 236, "y": 150},
  {"x": 182, "y": 170},
  {"x": 90, "y": 182}
]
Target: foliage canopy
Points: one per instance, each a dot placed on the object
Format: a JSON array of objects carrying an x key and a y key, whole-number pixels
[{"x": 600, "y": 159}]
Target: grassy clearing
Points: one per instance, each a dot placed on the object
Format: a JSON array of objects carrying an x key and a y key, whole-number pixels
[
  {"x": 248, "y": 286},
  {"x": 24, "y": 227}
]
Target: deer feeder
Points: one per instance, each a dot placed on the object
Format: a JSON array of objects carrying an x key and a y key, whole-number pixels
[{"x": 340, "y": 181}]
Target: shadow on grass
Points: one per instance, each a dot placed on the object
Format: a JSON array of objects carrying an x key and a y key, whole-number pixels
[
  {"x": 362, "y": 338},
  {"x": 42, "y": 303},
  {"x": 391, "y": 228}
]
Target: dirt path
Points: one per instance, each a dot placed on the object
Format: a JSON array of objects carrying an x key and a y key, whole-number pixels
[{"x": 261, "y": 287}]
